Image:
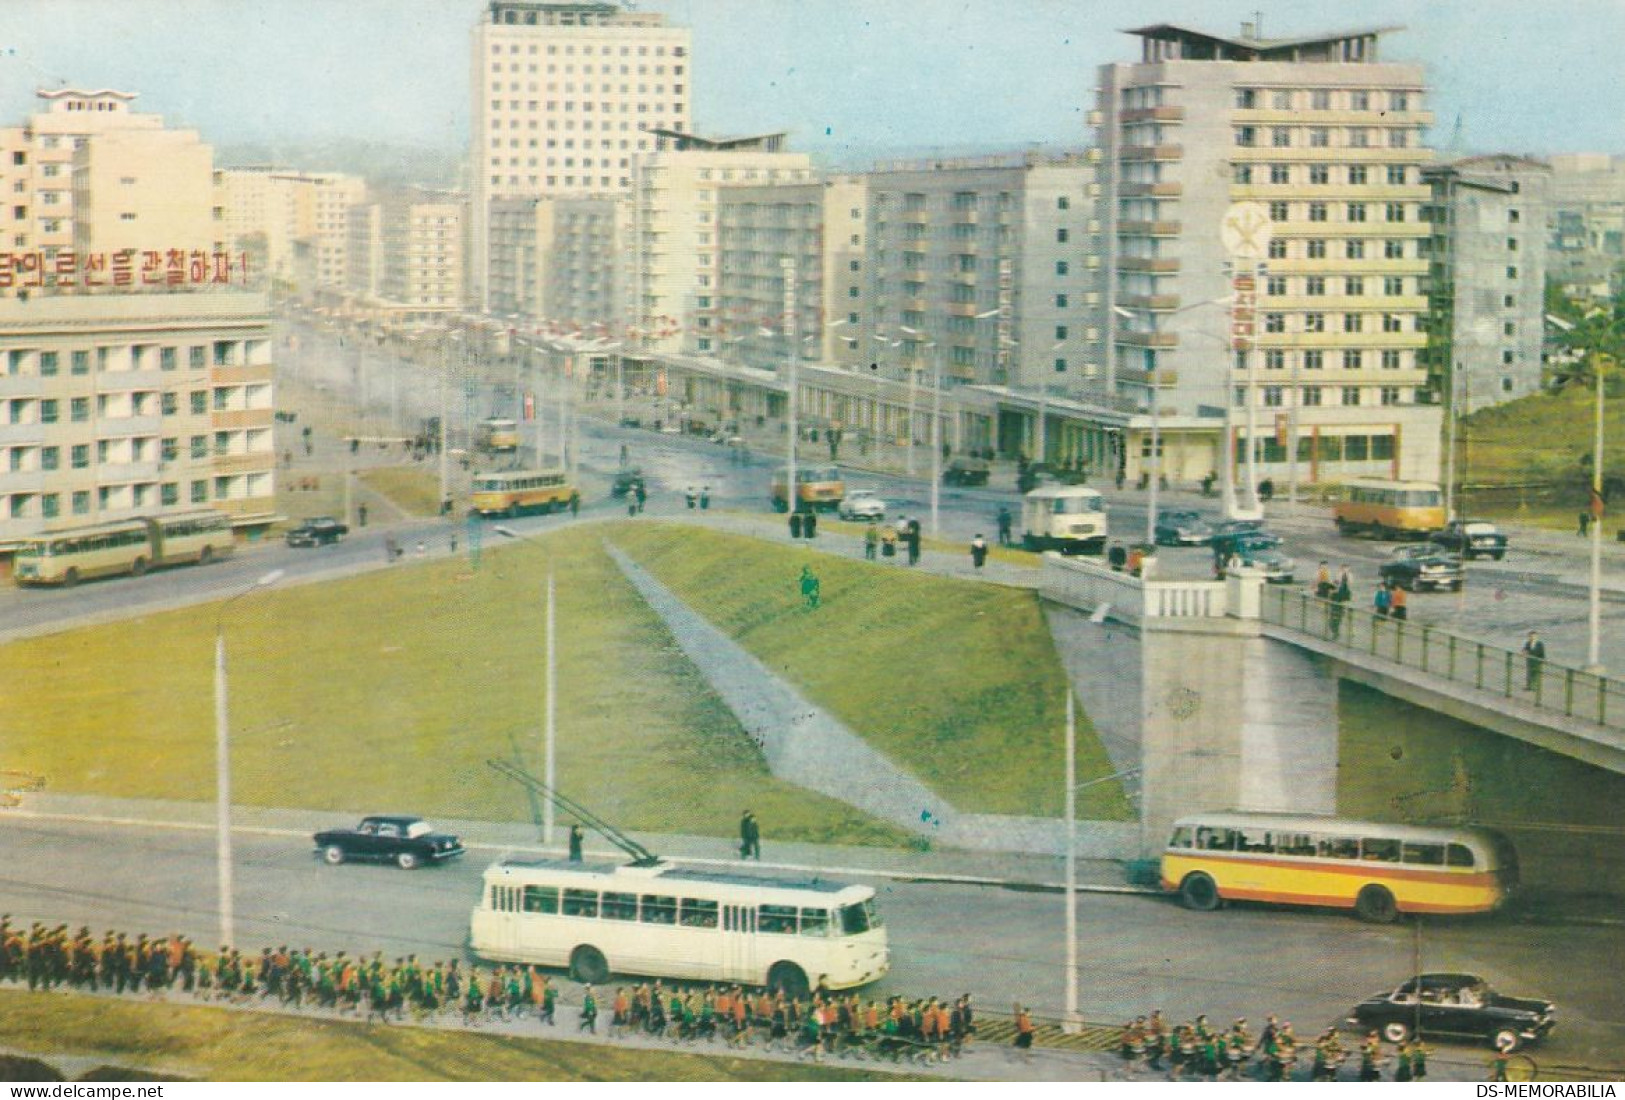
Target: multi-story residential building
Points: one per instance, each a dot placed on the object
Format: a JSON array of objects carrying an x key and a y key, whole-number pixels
[
  {"x": 564, "y": 95},
  {"x": 819, "y": 228},
  {"x": 1488, "y": 278},
  {"x": 675, "y": 264},
  {"x": 134, "y": 404},
  {"x": 987, "y": 270},
  {"x": 405, "y": 256},
  {"x": 1587, "y": 237},
  {"x": 558, "y": 260},
  {"x": 255, "y": 218},
  {"x": 1330, "y": 140}
]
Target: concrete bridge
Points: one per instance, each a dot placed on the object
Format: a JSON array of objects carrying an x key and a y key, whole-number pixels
[{"x": 1219, "y": 716}]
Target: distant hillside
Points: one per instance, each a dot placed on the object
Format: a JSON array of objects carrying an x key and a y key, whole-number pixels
[{"x": 379, "y": 163}]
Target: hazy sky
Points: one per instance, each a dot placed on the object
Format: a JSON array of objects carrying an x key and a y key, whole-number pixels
[{"x": 1543, "y": 76}]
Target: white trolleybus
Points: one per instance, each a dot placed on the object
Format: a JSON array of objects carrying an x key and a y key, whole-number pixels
[{"x": 648, "y": 917}]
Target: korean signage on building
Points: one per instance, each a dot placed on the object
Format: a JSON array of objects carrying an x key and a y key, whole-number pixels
[{"x": 127, "y": 268}]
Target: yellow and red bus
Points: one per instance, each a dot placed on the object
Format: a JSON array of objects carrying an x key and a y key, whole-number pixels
[
  {"x": 1378, "y": 870},
  {"x": 1390, "y": 509},
  {"x": 516, "y": 492}
]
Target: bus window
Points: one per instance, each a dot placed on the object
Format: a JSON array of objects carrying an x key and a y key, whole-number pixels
[
  {"x": 815, "y": 922},
  {"x": 1254, "y": 840},
  {"x": 1379, "y": 849},
  {"x": 1340, "y": 847},
  {"x": 1459, "y": 855},
  {"x": 659, "y": 910},
  {"x": 1181, "y": 837},
  {"x": 1298, "y": 844},
  {"x": 542, "y": 899},
  {"x": 777, "y": 918},
  {"x": 698, "y": 914},
  {"x": 620, "y": 906},
  {"x": 1215, "y": 840},
  {"x": 858, "y": 918},
  {"x": 581, "y": 903},
  {"x": 1429, "y": 855}
]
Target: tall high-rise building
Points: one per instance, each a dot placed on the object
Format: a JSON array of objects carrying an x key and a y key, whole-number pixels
[
  {"x": 1488, "y": 280},
  {"x": 558, "y": 260},
  {"x": 564, "y": 95},
  {"x": 1330, "y": 140}
]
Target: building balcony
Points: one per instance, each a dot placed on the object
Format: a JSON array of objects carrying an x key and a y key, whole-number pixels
[
  {"x": 915, "y": 217},
  {"x": 1371, "y": 268},
  {"x": 1338, "y": 303},
  {"x": 241, "y": 464},
  {"x": 223, "y": 419},
  {"x": 1156, "y": 302},
  {"x": 1299, "y": 119},
  {"x": 963, "y": 309},
  {"x": 1370, "y": 154},
  {"x": 22, "y": 481},
  {"x": 1332, "y": 192},
  {"x": 1151, "y": 152},
  {"x": 1337, "y": 341},
  {"x": 1150, "y": 190},
  {"x": 1150, "y": 114},
  {"x": 1162, "y": 379},
  {"x": 968, "y": 216},
  {"x": 1148, "y": 229},
  {"x": 1148, "y": 339},
  {"x": 1139, "y": 263}
]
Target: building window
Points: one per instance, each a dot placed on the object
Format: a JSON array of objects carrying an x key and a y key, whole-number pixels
[
  {"x": 1275, "y": 286},
  {"x": 1281, "y": 137},
  {"x": 1354, "y": 286},
  {"x": 1359, "y": 137},
  {"x": 1060, "y": 301},
  {"x": 1512, "y": 244},
  {"x": 1354, "y": 212},
  {"x": 1273, "y": 396},
  {"x": 1320, "y": 173},
  {"x": 1060, "y": 332},
  {"x": 1393, "y": 250},
  {"x": 1357, "y": 174},
  {"x": 1314, "y": 322},
  {"x": 79, "y": 457},
  {"x": 1315, "y": 286},
  {"x": 79, "y": 410},
  {"x": 1398, "y": 139},
  {"x": 1514, "y": 217},
  {"x": 47, "y": 364},
  {"x": 1280, "y": 173},
  {"x": 1353, "y": 322},
  {"x": 1354, "y": 250},
  {"x": 1394, "y": 212},
  {"x": 81, "y": 502},
  {"x": 1351, "y": 395},
  {"x": 1397, "y": 174},
  {"x": 1392, "y": 322},
  {"x": 1353, "y": 359},
  {"x": 1243, "y": 174},
  {"x": 1314, "y": 359},
  {"x": 1317, "y": 211},
  {"x": 1512, "y": 272},
  {"x": 1280, "y": 211},
  {"x": 200, "y": 492},
  {"x": 1310, "y": 396},
  {"x": 1246, "y": 137},
  {"x": 200, "y": 402},
  {"x": 1316, "y": 249},
  {"x": 1390, "y": 395},
  {"x": 1506, "y": 357},
  {"x": 1274, "y": 322},
  {"x": 1246, "y": 99},
  {"x": 1320, "y": 99},
  {"x": 79, "y": 362},
  {"x": 1061, "y": 267},
  {"x": 50, "y": 458},
  {"x": 1320, "y": 137},
  {"x": 1390, "y": 359},
  {"x": 1394, "y": 286},
  {"x": 1274, "y": 359}
]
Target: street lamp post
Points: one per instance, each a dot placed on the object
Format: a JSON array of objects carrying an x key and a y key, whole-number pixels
[
  {"x": 222, "y": 763},
  {"x": 1594, "y": 506},
  {"x": 936, "y": 424}
]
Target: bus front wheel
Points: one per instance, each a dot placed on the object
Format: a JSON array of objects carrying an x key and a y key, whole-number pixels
[
  {"x": 789, "y": 979},
  {"x": 587, "y": 964},
  {"x": 1376, "y": 905},
  {"x": 1199, "y": 892}
]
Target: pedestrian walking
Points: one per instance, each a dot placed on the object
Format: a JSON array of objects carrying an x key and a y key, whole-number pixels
[
  {"x": 1004, "y": 525},
  {"x": 391, "y": 550},
  {"x": 1381, "y": 601},
  {"x": 888, "y": 542},
  {"x": 589, "y": 1012},
  {"x": 1024, "y": 1032},
  {"x": 640, "y": 494},
  {"x": 454, "y": 542},
  {"x": 1534, "y": 656},
  {"x": 1341, "y": 595},
  {"x": 978, "y": 551},
  {"x": 575, "y": 504},
  {"x": 692, "y": 496},
  {"x": 795, "y": 525},
  {"x": 1585, "y": 524},
  {"x": 705, "y": 497},
  {"x": 1323, "y": 581},
  {"x": 914, "y": 542},
  {"x": 871, "y": 541},
  {"x": 809, "y": 588},
  {"x": 1397, "y": 601},
  {"x": 576, "y": 838},
  {"x": 809, "y": 525},
  {"x": 361, "y": 514},
  {"x": 750, "y": 837}
]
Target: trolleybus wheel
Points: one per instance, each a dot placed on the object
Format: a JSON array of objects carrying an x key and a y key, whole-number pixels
[
  {"x": 789, "y": 979},
  {"x": 587, "y": 965}
]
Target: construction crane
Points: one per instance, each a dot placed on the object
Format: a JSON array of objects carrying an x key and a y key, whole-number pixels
[{"x": 641, "y": 856}]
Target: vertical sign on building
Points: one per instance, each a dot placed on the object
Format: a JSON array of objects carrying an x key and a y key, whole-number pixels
[
  {"x": 1007, "y": 283},
  {"x": 1245, "y": 231}
]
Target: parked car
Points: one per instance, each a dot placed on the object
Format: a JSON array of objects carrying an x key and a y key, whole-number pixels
[
  {"x": 1182, "y": 529},
  {"x": 1418, "y": 568},
  {"x": 1260, "y": 558},
  {"x": 626, "y": 480},
  {"x": 966, "y": 471},
  {"x": 862, "y": 504},
  {"x": 1473, "y": 538},
  {"x": 1237, "y": 526},
  {"x": 407, "y": 842},
  {"x": 1455, "y": 1006},
  {"x": 1227, "y": 542},
  {"x": 320, "y": 531}
]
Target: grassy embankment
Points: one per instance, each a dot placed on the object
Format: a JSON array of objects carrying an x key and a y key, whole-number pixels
[
  {"x": 1537, "y": 441},
  {"x": 957, "y": 681},
  {"x": 217, "y": 1044}
]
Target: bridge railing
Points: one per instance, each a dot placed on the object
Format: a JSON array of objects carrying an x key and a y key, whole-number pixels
[{"x": 1546, "y": 685}]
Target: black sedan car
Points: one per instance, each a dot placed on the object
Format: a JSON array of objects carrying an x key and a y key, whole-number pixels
[
  {"x": 321, "y": 531},
  {"x": 1457, "y": 1006},
  {"x": 407, "y": 842},
  {"x": 1417, "y": 568},
  {"x": 626, "y": 481},
  {"x": 1472, "y": 538},
  {"x": 1182, "y": 529}
]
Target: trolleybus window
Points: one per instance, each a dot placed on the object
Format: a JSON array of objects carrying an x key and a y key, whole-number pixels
[
  {"x": 659, "y": 910},
  {"x": 542, "y": 899},
  {"x": 859, "y": 918},
  {"x": 1381, "y": 850},
  {"x": 815, "y": 922},
  {"x": 1429, "y": 855},
  {"x": 698, "y": 914},
  {"x": 1459, "y": 855},
  {"x": 580, "y": 903},
  {"x": 777, "y": 918},
  {"x": 1340, "y": 847},
  {"x": 620, "y": 906}
]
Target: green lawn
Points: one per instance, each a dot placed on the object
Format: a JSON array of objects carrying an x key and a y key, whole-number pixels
[
  {"x": 1539, "y": 439},
  {"x": 216, "y": 1044},
  {"x": 956, "y": 680},
  {"x": 393, "y": 688}
]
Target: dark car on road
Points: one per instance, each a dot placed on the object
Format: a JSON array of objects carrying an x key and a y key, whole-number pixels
[
  {"x": 1458, "y": 1006},
  {"x": 966, "y": 471},
  {"x": 321, "y": 531},
  {"x": 626, "y": 480},
  {"x": 1473, "y": 538},
  {"x": 1182, "y": 529},
  {"x": 1417, "y": 568},
  {"x": 407, "y": 842}
]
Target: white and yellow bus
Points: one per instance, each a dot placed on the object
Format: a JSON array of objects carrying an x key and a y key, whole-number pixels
[
  {"x": 130, "y": 547},
  {"x": 496, "y": 435},
  {"x": 819, "y": 488},
  {"x": 1377, "y": 870},
  {"x": 518, "y": 492},
  {"x": 598, "y": 919},
  {"x": 1389, "y": 509}
]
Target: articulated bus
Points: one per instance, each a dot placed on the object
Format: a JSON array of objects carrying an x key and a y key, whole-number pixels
[
  {"x": 818, "y": 488},
  {"x": 496, "y": 435},
  {"x": 520, "y": 491},
  {"x": 1390, "y": 509},
  {"x": 601, "y": 918},
  {"x": 131, "y": 547},
  {"x": 1377, "y": 870},
  {"x": 1068, "y": 518}
]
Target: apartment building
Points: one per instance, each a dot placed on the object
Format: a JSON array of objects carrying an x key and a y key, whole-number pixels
[
  {"x": 987, "y": 270},
  {"x": 1488, "y": 278},
  {"x": 558, "y": 260},
  {"x": 1330, "y": 139},
  {"x": 564, "y": 96},
  {"x": 673, "y": 293},
  {"x": 818, "y": 228},
  {"x": 124, "y": 405}
]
